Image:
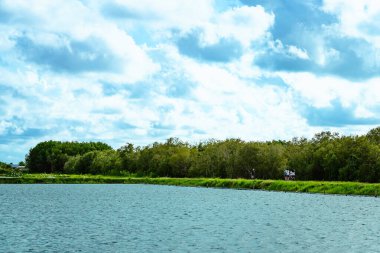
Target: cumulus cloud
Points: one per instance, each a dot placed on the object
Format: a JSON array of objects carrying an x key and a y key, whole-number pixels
[
  {"x": 357, "y": 19},
  {"x": 170, "y": 14},
  {"x": 349, "y": 58},
  {"x": 330, "y": 101},
  {"x": 316, "y": 38},
  {"x": 244, "y": 24},
  {"x": 337, "y": 115},
  {"x": 223, "y": 51},
  {"x": 70, "y": 36},
  {"x": 226, "y": 35},
  {"x": 73, "y": 56}
]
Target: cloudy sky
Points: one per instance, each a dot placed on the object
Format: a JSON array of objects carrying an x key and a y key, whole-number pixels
[{"x": 144, "y": 70}]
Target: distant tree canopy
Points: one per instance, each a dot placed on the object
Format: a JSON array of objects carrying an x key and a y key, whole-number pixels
[
  {"x": 51, "y": 156},
  {"x": 327, "y": 156},
  {"x": 5, "y": 168},
  {"x": 5, "y": 165}
]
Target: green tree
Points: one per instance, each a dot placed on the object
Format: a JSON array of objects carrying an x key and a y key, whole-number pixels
[
  {"x": 374, "y": 135},
  {"x": 51, "y": 156}
]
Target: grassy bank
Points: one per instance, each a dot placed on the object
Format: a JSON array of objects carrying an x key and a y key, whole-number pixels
[{"x": 346, "y": 188}]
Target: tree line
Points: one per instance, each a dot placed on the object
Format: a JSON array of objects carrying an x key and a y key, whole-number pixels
[{"x": 326, "y": 156}]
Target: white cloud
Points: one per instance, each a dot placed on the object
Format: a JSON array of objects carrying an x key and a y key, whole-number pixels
[
  {"x": 244, "y": 24},
  {"x": 223, "y": 105},
  {"x": 355, "y": 16},
  {"x": 155, "y": 19},
  {"x": 57, "y": 23},
  {"x": 321, "y": 91},
  {"x": 362, "y": 112},
  {"x": 167, "y": 14},
  {"x": 300, "y": 53}
]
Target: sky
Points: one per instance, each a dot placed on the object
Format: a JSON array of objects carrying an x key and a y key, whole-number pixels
[{"x": 142, "y": 71}]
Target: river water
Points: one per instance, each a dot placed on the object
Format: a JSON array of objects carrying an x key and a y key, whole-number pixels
[{"x": 149, "y": 218}]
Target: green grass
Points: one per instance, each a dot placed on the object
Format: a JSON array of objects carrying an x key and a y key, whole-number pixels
[{"x": 345, "y": 188}]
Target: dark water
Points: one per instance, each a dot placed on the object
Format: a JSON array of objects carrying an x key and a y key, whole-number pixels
[{"x": 146, "y": 218}]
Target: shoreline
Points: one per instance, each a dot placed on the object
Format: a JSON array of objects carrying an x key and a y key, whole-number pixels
[{"x": 322, "y": 187}]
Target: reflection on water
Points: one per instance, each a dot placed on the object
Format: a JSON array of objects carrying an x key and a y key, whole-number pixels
[{"x": 147, "y": 218}]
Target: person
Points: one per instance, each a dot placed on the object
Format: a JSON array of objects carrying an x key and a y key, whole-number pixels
[{"x": 286, "y": 174}]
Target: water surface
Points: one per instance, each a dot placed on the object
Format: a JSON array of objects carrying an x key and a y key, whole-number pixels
[{"x": 149, "y": 218}]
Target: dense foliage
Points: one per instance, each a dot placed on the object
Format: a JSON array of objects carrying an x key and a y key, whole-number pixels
[
  {"x": 327, "y": 156},
  {"x": 5, "y": 168},
  {"x": 51, "y": 156}
]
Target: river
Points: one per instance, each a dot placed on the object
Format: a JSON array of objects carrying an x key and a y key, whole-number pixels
[{"x": 150, "y": 218}]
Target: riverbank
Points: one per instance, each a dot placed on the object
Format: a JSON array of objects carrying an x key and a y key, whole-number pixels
[{"x": 345, "y": 188}]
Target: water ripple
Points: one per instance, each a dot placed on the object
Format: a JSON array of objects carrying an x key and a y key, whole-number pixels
[{"x": 147, "y": 218}]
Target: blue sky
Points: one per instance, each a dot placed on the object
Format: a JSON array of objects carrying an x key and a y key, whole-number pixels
[{"x": 143, "y": 71}]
